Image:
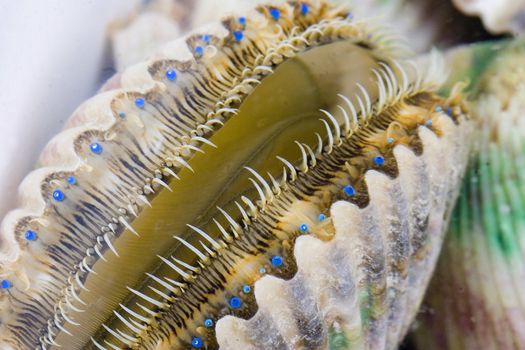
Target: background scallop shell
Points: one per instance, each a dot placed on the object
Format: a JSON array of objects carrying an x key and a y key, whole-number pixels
[
  {"x": 476, "y": 299},
  {"x": 498, "y": 16}
]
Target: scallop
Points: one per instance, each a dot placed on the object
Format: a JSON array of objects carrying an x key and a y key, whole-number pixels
[{"x": 277, "y": 180}]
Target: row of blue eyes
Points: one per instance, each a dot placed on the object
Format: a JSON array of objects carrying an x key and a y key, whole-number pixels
[
  {"x": 59, "y": 196},
  {"x": 31, "y": 235},
  {"x": 96, "y": 148},
  {"x": 171, "y": 74},
  {"x": 235, "y": 302},
  {"x": 277, "y": 261}
]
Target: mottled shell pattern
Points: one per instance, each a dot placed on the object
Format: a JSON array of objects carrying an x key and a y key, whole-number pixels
[
  {"x": 279, "y": 180},
  {"x": 482, "y": 303}
]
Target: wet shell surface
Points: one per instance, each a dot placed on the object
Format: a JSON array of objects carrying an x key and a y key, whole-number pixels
[
  {"x": 363, "y": 287},
  {"x": 476, "y": 298},
  {"x": 279, "y": 180},
  {"x": 498, "y": 16}
]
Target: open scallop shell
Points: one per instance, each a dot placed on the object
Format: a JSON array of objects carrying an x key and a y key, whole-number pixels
[{"x": 122, "y": 241}]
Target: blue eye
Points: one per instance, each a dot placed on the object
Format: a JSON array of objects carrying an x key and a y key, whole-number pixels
[
  {"x": 31, "y": 235},
  {"x": 96, "y": 148},
  {"x": 5, "y": 284},
  {"x": 235, "y": 302},
  {"x": 277, "y": 261},
  {"x": 196, "y": 343},
  {"x": 275, "y": 13},
  {"x": 140, "y": 102},
  {"x": 58, "y": 195},
  {"x": 71, "y": 180},
  {"x": 304, "y": 9},
  {"x": 379, "y": 160},
  {"x": 238, "y": 35},
  {"x": 199, "y": 50},
  {"x": 171, "y": 75},
  {"x": 349, "y": 190}
]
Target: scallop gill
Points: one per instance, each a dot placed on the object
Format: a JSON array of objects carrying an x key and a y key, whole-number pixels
[{"x": 278, "y": 180}]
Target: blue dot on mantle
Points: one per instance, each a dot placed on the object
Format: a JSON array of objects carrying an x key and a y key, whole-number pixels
[
  {"x": 58, "y": 195},
  {"x": 31, "y": 235},
  {"x": 140, "y": 102},
  {"x": 277, "y": 261},
  {"x": 5, "y": 284},
  {"x": 235, "y": 302},
  {"x": 96, "y": 148},
  {"x": 379, "y": 160},
  {"x": 196, "y": 342},
  {"x": 275, "y": 13}
]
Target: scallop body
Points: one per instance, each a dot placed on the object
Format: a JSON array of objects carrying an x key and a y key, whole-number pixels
[{"x": 281, "y": 179}]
